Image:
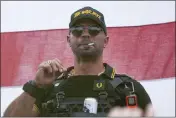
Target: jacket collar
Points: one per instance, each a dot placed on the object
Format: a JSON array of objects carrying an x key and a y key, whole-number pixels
[{"x": 109, "y": 71}]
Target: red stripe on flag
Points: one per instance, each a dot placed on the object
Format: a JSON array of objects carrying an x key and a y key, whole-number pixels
[{"x": 144, "y": 52}]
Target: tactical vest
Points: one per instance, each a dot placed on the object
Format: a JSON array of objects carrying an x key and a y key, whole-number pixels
[{"x": 66, "y": 99}]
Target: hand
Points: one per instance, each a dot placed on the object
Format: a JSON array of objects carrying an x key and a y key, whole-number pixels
[
  {"x": 131, "y": 112},
  {"x": 47, "y": 72}
]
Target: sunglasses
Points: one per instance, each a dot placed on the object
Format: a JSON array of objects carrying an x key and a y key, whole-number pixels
[{"x": 78, "y": 30}]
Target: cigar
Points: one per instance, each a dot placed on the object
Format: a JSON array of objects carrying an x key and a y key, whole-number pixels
[{"x": 91, "y": 44}]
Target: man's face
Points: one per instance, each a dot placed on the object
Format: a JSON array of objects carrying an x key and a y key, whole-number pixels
[{"x": 80, "y": 36}]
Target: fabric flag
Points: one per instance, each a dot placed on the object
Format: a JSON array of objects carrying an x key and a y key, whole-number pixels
[{"x": 145, "y": 52}]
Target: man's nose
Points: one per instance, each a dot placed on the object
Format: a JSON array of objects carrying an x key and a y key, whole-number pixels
[{"x": 85, "y": 33}]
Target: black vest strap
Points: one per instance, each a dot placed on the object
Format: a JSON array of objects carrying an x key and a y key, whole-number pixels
[{"x": 119, "y": 79}]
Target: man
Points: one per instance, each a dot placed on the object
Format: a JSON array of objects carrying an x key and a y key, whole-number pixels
[{"x": 87, "y": 38}]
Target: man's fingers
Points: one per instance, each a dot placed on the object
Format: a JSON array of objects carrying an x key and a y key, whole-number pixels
[
  {"x": 51, "y": 68},
  {"x": 54, "y": 66},
  {"x": 60, "y": 64},
  {"x": 46, "y": 66}
]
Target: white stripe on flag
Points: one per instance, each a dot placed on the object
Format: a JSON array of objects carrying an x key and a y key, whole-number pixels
[{"x": 44, "y": 15}]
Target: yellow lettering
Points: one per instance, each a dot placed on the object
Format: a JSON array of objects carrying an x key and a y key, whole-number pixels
[
  {"x": 90, "y": 11},
  {"x": 99, "y": 16},
  {"x": 93, "y": 13},
  {"x": 76, "y": 14},
  {"x": 87, "y": 12},
  {"x": 82, "y": 12}
]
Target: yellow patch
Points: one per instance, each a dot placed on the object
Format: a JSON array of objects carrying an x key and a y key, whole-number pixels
[
  {"x": 113, "y": 73},
  {"x": 76, "y": 14},
  {"x": 99, "y": 85}
]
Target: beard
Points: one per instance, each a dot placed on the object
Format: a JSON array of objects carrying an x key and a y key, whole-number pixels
[{"x": 87, "y": 53}]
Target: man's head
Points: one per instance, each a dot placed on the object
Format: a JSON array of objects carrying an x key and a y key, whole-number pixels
[{"x": 87, "y": 26}]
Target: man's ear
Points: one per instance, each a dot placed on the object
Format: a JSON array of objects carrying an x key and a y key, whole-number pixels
[
  {"x": 106, "y": 41},
  {"x": 68, "y": 39}
]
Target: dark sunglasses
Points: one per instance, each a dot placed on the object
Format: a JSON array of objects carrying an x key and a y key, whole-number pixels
[{"x": 78, "y": 30}]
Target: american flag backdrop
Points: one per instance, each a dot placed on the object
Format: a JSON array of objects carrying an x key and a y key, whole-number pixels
[{"x": 142, "y": 43}]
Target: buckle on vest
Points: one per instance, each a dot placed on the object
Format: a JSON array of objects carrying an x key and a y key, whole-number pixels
[
  {"x": 103, "y": 95},
  {"x": 59, "y": 97},
  {"x": 129, "y": 86}
]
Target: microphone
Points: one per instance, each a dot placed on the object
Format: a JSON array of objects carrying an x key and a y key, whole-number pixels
[{"x": 90, "y": 105}]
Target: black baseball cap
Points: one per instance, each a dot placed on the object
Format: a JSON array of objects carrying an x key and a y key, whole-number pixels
[{"x": 90, "y": 13}]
